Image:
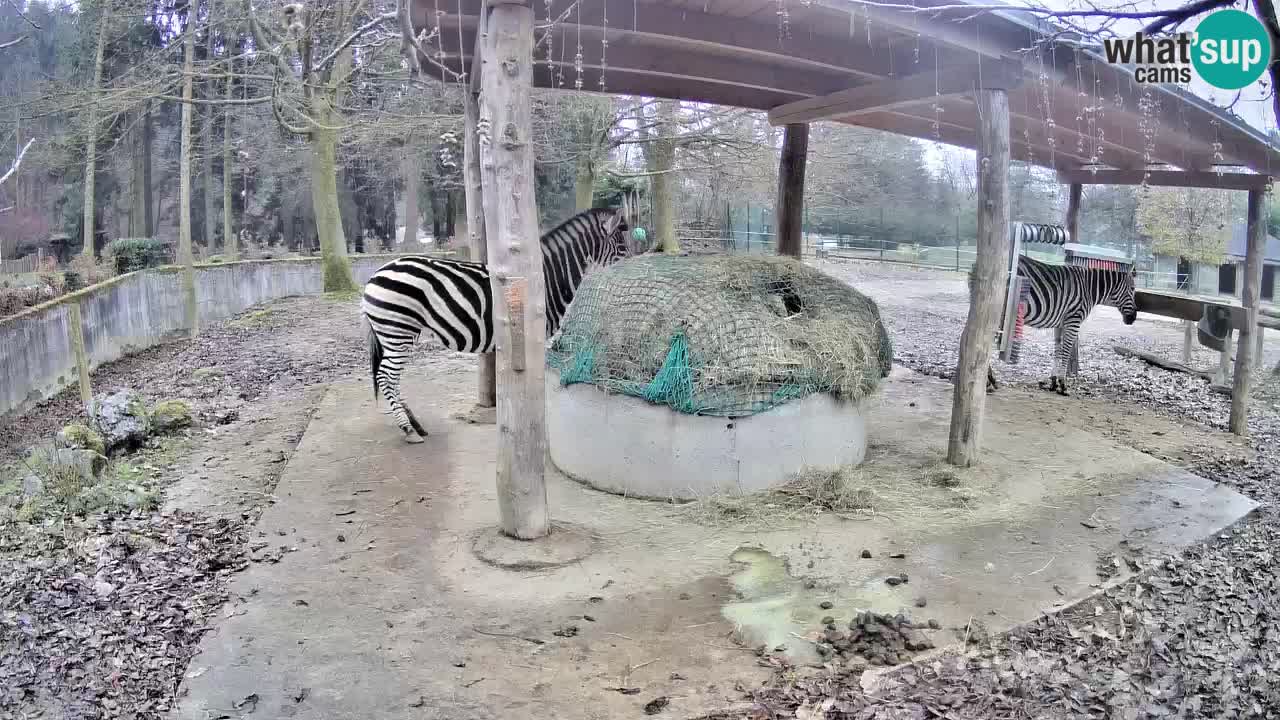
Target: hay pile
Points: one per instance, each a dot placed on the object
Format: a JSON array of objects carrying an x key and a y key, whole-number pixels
[{"x": 725, "y": 336}]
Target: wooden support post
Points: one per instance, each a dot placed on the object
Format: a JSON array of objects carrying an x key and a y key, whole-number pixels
[
  {"x": 515, "y": 260},
  {"x": 1257, "y": 351},
  {"x": 1073, "y": 212},
  {"x": 486, "y": 380},
  {"x": 75, "y": 333},
  {"x": 1250, "y": 298},
  {"x": 1188, "y": 338},
  {"x": 790, "y": 214},
  {"x": 985, "y": 295},
  {"x": 1224, "y": 360}
]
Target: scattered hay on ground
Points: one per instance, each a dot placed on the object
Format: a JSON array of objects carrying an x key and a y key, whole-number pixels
[{"x": 850, "y": 492}]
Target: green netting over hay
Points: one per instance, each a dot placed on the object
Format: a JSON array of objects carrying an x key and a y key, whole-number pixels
[{"x": 727, "y": 336}]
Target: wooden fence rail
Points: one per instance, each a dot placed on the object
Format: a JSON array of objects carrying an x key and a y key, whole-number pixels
[{"x": 28, "y": 264}]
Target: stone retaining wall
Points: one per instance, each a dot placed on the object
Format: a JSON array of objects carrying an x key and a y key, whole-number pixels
[{"x": 138, "y": 310}]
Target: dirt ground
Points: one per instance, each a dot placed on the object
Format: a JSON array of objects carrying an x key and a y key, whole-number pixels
[{"x": 1191, "y": 636}]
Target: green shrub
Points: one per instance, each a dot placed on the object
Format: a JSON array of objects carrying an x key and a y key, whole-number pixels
[{"x": 138, "y": 253}]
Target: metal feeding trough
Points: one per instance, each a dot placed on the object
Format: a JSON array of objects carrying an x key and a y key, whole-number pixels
[{"x": 1044, "y": 238}]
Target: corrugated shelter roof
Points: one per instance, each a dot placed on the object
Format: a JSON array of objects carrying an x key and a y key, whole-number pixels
[{"x": 1072, "y": 109}]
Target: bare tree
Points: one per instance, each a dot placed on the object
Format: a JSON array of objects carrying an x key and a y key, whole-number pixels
[
  {"x": 314, "y": 63},
  {"x": 91, "y": 144},
  {"x": 185, "y": 254},
  {"x": 17, "y": 163}
]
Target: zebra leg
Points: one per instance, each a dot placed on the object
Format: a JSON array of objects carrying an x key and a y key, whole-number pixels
[
  {"x": 1064, "y": 352},
  {"x": 389, "y": 382},
  {"x": 992, "y": 385},
  {"x": 1057, "y": 382}
]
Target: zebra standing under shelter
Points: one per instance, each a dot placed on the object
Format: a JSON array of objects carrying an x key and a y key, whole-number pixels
[
  {"x": 454, "y": 299},
  {"x": 1062, "y": 296}
]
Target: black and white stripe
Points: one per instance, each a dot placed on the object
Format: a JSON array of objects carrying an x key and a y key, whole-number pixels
[
  {"x": 453, "y": 300},
  {"x": 1062, "y": 296}
]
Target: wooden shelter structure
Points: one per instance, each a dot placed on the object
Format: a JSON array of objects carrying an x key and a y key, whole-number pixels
[{"x": 1003, "y": 83}]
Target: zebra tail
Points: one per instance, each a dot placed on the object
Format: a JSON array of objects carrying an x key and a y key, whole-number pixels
[{"x": 375, "y": 361}]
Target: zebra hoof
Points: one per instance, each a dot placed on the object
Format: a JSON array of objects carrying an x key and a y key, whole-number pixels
[{"x": 413, "y": 438}]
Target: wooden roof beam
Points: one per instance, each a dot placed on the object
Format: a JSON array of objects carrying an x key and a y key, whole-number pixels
[
  {"x": 627, "y": 53},
  {"x": 938, "y": 27},
  {"x": 1167, "y": 178},
  {"x": 956, "y": 134},
  {"x": 730, "y": 36},
  {"x": 887, "y": 94}
]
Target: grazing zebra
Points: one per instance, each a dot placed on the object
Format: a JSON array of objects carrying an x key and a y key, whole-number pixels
[
  {"x": 1062, "y": 296},
  {"x": 453, "y": 299}
]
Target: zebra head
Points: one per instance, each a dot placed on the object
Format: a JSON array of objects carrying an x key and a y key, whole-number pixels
[
  {"x": 613, "y": 228},
  {"x": 1124, "y": 297}
]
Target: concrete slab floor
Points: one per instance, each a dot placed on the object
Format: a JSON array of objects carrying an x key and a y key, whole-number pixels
[{"x": 384, "y": 611}]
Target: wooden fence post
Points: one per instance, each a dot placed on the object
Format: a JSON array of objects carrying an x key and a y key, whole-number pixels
[
  {"x": 1250, "y": 297},
  {"x": 790, "y": 214},
  {"x": 75, "y": 333},
  {"x": 515, "y": 261},
  {"x": 969, "y": 398}
]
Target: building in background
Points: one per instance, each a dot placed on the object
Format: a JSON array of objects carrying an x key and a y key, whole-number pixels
[{"x": 1172, "y": 273}]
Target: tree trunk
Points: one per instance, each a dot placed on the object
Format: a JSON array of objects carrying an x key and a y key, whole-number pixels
[
  {"x": 437, "y": 214},
  {"x": 1075, "y": 193},
  {"x": 584, "y": 183},
  {"x": 324, "y": 203},
  {"x": 91, "y": 144},
  {"x": 139, "y": 211},
  {"x": 152, "y": 215},
  {"x": 229, "y": 247},
  {"x": 185, "y": 255},
  {"x": 324, "y": 180},
  {"x": 458, "y": 220},
  {"x": 515, "y": 260},
  {"x": 969, "y": 397},
  {"x": 486, "y": 381},
  {"x": 662, "y": 157},
  {"x": 207, "y": 147},
  {"x": 412, "y": 177},
  {"x": 449, "y": 213},
  {"x": 790, "y": 210}
]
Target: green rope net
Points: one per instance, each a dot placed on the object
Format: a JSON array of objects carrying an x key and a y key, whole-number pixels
[{"x": 724, "y": 336}]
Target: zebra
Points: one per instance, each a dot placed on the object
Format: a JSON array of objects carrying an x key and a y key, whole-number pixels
[
  {"x": 453, "y": 299},
  {"x": 1062, "y": 296}
]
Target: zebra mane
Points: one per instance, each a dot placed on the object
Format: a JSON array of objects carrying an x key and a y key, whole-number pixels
[{"x": 595, "y": 217}]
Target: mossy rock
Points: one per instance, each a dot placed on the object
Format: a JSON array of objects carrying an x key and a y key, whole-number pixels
[
  {"x": 170, "y": 415},
  {"x": 81, "y": 437}
]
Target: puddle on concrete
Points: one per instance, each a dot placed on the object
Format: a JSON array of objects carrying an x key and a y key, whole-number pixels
[{"x": 775, "y": 609}]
